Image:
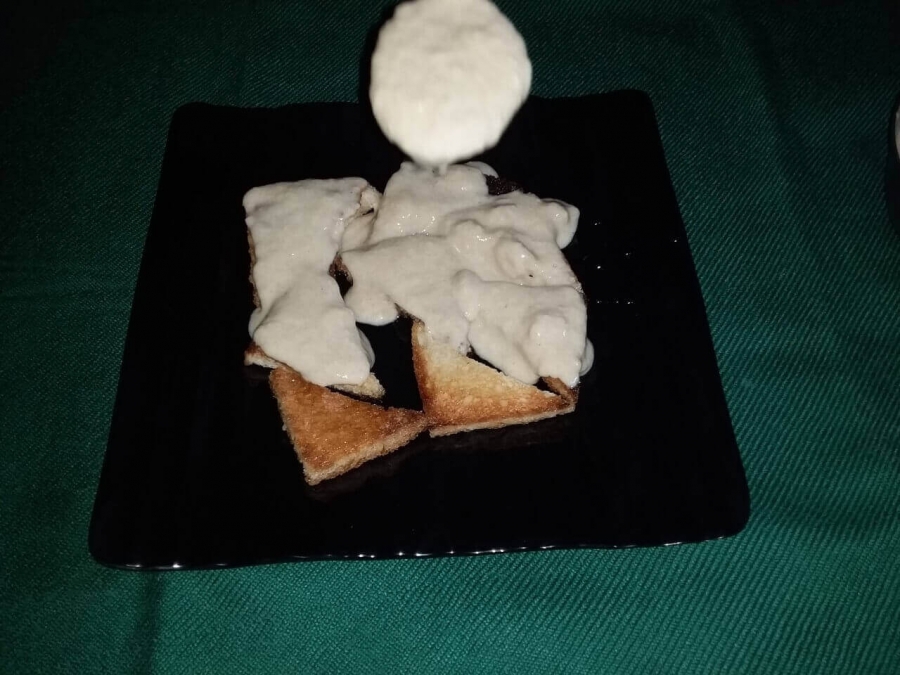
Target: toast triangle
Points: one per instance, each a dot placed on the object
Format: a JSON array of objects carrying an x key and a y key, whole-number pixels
[
  {"x": 460, "y": 394},
  {"x": 332, "y": 433}
]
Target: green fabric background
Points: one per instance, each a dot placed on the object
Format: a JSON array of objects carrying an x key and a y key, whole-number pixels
[{"x": 774, "y": 120}]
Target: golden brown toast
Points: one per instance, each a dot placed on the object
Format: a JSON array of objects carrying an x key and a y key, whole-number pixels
[
  {"x": 333, "y": 433},
  {"x": 461, "y": 394}
]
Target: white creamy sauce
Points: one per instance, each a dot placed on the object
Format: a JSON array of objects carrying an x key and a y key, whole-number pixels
[
  {"x": 480, "y": 271},
  {"x": 447, "y": 77},
  {"x": 302, "y": 320},
  {"x": 587, "y": 360},
  {"x": 418, "y": 200},
  {"x": 897, "y": 132},
  {"x": 486, "y": 169},
  {"x": 524, "y": 331}
]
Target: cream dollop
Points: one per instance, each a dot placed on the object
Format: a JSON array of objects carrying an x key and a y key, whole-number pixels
[{"x": 447, "y": 77}]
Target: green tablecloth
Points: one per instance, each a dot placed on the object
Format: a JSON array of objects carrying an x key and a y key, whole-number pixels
[{"x": 774, "y": 119}]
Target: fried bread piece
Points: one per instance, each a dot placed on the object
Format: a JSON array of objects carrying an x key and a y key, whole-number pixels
[
  {"x": 332, "y": 433},
  {"x": 460, "y": 394}
]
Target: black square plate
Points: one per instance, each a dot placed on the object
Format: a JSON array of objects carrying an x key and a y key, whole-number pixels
[{"x": 198, "y": 472}]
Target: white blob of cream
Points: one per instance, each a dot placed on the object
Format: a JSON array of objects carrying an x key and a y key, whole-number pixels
[{"x": 447, "y": 77}]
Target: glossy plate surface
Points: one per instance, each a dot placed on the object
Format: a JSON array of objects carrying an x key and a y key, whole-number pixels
[{"x": 198, "y": 472}]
